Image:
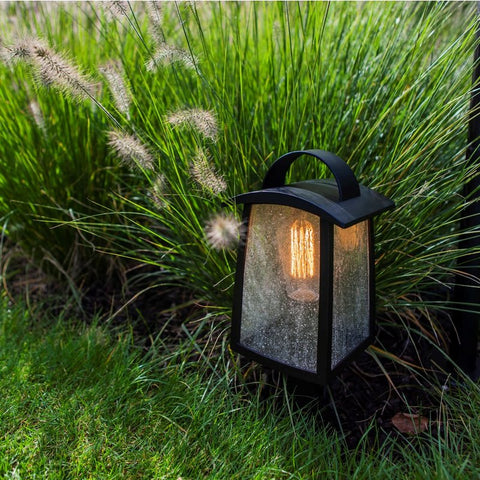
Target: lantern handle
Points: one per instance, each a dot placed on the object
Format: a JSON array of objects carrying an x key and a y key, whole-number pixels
[{"x": 347, "y": 183}]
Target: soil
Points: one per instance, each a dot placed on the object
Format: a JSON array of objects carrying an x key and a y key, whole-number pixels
[{"x": 365, "y": 394}]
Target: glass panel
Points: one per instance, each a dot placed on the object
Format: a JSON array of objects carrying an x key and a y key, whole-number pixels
[
  {"x": 281, "y": 285},
  {"x": 351, "y": 296}
]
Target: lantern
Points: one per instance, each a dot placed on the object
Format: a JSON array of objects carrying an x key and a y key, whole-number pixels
[{"x": 304, "y": 288}]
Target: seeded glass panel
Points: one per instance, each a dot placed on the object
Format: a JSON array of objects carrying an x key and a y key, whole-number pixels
[
  {"x": 281, "y": 285},
  {"x": 351, "y": 305}
]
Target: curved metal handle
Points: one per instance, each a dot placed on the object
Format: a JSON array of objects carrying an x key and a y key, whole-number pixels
[{"x": 347, "y": 183}]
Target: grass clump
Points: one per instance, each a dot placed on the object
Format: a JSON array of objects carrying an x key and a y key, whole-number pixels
[
  {"x": 55, "y": 165},
  {"x": 385, "y": 86}
]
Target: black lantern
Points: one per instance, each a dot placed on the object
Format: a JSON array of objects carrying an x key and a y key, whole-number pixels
[{"x": 304, "y": 290}]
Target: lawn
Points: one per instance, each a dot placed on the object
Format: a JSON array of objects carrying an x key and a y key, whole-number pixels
[{"x": 86, "y": 401}]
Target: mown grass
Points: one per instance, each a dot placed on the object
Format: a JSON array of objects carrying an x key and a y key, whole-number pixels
[{"x": 84, "y": 401}]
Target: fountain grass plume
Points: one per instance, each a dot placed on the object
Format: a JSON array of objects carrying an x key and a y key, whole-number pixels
[
  {"x": 130, "y": 150},
  {"x": 37, "y": 115},
  {"x": 158, "y": 190},
  {"x": 223, "y": 231},
  {"x": 205, "y": 175},
  {"x": 203, "y": 121},
  {"x": 53, "y": 69},
  {"x": 166, "y": 54},
  {"x": 113, "y": 72},
  {"x": 116, "y": 9},
  {"x": 155, "y": 15}
]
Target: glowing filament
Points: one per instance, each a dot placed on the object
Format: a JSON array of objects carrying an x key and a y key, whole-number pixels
[{"x": 302, "y": 250}]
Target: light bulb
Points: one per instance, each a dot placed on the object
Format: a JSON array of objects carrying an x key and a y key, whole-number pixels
[
  {"x": 303, "y": 260},
  {"x": 301, "y": 249}
]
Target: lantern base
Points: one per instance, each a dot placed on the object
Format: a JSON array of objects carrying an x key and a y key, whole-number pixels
[{"x": 319, "y": 374}]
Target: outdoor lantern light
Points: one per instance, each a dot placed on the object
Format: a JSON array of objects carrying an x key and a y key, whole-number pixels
[{"x": 304, "y": 289}]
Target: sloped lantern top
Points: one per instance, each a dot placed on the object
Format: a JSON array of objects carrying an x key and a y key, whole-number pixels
[{"x": 342, "y": 201}]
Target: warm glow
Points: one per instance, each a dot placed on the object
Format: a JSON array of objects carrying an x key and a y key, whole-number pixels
[
  {"x": 349, "y": 238},
  {"x": 302, "y": 264}
]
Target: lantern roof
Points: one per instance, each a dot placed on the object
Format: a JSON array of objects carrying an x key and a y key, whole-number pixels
[
  {"x": 321, "y": 198},
  {"x": 342, "y": 201}
]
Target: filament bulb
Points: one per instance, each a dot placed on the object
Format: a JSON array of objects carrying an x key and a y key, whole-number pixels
[{"x": 302, "y": 250}]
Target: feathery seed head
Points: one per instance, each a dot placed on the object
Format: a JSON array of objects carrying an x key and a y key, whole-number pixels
[
  {"x": 116, "y": 9},
  {"x": 158, "y": 190},
  {"x": 167, "y": 54},
  {"x": 205, "y": 175},
  {"x": 223, "y": 231},
  {"x": 130, "y": 150},
  {"x": 37, "y": 114},
  {"x": 203, "y": 121},
  {"x": 113, "y": 72},
  {"x": 154, "y": 10},
  {"x": 52, "y": 68},
  {"x": 155, "y": 16}
]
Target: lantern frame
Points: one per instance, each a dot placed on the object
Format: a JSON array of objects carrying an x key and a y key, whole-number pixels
[{"x": 342, "y": 202}]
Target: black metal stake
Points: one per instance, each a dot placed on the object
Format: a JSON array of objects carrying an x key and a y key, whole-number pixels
[{"x": 467, "y": 289}]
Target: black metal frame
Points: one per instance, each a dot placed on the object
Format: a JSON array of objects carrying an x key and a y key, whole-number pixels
[
  {"x": 349, "y": 191},
  {"x": 324, "y": 341},
  {"x": 324, "y": 326}
]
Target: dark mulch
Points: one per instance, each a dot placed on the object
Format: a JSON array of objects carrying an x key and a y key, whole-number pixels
[{"x": 362, "y": 394}]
